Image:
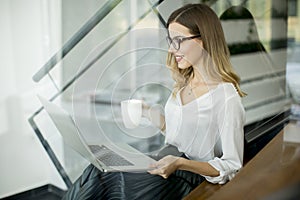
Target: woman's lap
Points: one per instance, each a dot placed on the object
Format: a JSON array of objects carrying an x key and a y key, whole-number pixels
[{"x": 94, "y": 184}]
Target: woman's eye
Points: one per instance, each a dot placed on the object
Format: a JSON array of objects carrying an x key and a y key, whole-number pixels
[{"x": 177, "y": 39}]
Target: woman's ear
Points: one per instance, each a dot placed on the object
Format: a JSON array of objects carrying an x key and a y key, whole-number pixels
[{"x": 200, "y": 42}]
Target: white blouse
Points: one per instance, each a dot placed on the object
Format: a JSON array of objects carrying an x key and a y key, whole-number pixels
[{"x": 210, "y": 128}]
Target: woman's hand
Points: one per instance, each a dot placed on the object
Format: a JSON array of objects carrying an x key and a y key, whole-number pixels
[
  {"x": 166, "y": 166},
  {"x": 154, "y": 114},
  {"x": 145, "y": 109}
]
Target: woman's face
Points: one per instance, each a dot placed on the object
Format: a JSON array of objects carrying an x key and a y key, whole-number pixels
[{"x": 189, "y": 53}]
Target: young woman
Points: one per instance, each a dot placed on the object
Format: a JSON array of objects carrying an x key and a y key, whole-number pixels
[{"x": 204, "y": 118}]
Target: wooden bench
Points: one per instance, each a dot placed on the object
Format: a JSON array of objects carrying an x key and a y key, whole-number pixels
[{"x": 203, "y": 191}]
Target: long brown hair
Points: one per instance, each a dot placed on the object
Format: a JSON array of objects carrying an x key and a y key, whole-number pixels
[{"x": 201, "y": 19}]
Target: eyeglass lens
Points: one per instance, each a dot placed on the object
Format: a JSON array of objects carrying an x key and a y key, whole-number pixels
[{"x": 175, "y": 42}]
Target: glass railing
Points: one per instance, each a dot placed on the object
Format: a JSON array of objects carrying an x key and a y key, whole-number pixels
[
  {"x": 117, "y": 52},
  {"x": 116, "y": 49}
]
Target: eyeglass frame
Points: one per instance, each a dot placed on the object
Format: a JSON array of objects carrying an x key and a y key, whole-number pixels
[{"x": 180, "y": 39}]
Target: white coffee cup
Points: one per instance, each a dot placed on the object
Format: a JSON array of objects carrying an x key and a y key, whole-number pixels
[{"x": 131, "y": 112}]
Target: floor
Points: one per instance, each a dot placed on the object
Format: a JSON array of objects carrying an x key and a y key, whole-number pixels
[{"x": 46, "y": 192}]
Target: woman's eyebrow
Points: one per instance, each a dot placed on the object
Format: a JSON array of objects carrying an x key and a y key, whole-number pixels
[
  {"x": 178, "y": 36},
  {"x": 175, "y": 34}
]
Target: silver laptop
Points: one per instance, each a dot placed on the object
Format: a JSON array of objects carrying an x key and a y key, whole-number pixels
[{"x": 106, "y": 156}]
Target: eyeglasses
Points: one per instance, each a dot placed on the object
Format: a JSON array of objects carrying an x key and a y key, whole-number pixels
[{"x": 176, "y": 41}]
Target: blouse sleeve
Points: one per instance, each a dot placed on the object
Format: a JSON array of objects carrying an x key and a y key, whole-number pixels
[{"x": 231, "y": 127}]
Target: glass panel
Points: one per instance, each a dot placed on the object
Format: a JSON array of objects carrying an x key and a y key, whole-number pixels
[
  {"x": 256, "y": 35},
  {"x": 120, "y": 73},
  {"x": 75, "y": 15},
  {"x": 293, "y": 64},
  {"x": 136, "y": 72},
  {"x": 116, "y": 23},
  {"x": 114, "y": 63}
]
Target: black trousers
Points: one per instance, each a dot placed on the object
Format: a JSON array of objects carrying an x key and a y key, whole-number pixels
[{"x": 94, "y": 184}]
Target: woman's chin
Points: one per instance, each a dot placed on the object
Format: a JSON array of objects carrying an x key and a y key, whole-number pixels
[{"x": 183, "y": 65}]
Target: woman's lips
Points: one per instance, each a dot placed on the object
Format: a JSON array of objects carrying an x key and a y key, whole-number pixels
[{"x": 178, "y": 58}]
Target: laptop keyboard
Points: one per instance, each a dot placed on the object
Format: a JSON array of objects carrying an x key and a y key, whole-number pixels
[{"x": 109, "y": 157}]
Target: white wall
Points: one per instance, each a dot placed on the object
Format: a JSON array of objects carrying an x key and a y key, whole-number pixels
[
  {"x": 6, "y": 56},
  {"x": 29, "y": 35}
]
